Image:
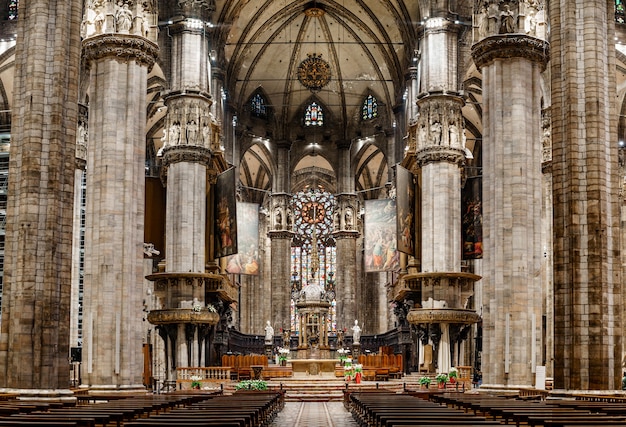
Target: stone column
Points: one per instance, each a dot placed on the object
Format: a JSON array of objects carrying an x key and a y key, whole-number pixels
[
  {"x": 118, "y": 63},
  {"x": 440, "y": 155},
  {"x": 511, "y": 65},
  {"x": 193, "y": 304},
  {"x": 280, "y": 314},
  {"x": 34, "y": 339},
  {"x": 346, "y": 234},
  {"x": 346, "y": 274},
  {"x": 437, "y": 143},
  {"x": 587, "y": 278}
]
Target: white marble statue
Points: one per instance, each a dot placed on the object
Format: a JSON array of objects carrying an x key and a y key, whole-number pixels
[
  {"x": 269, "y": 333},
  {"x": 356, "y": 333}
]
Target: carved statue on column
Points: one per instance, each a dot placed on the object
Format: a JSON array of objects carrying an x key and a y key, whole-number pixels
[{"x": 123, "y": 19}]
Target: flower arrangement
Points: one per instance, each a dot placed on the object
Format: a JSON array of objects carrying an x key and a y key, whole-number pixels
[
  {"x": 195, "y": 381},
  {"x": 347, "y": 372},
  {"x": 442, "y": 378},
  {"x": 424, "y": 381},
  {"x": 283, "y": 353},
  {"x": 258, "y": 385},
  {"x": 453, "y": 374},
  {"x": 343, "y": 354},
  {"x": 358, "y": 368}
]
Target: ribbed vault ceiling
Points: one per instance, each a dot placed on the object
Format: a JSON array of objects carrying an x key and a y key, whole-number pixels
[{"x": 365, "y": 44}]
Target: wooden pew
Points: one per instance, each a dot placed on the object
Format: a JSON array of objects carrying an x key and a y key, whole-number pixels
[
  {"x": 242, "y": 409},
  {"x": 389, "y": 409}
]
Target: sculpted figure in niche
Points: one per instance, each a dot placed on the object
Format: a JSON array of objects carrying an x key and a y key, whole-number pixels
[
  {"x": 192, "y": 132},
  {"x": 493, "y": 13},
  {"x": 507, "y": 21},
  {"x": 421, "y": 139},
  {"x": 123, "y": 19},
  {"x": 483, "y": 22},
  {"x": 174, "y": 133},
  {"x": 98, "y": 21},
  {"x": 453, "y": 131},
  {"x": 435, "y": 133},
  {"x": 206, "y": 135},
  {"x": 82, "y": 134},
  {"x": 348, "y": 219},
  {"x": 278, "y": 219}
]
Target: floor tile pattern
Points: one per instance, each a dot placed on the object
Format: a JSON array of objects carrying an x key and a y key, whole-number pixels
[{"x": 314, "y": 414}]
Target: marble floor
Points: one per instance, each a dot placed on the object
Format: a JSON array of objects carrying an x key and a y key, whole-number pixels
[{"x": 314, "y": 414}]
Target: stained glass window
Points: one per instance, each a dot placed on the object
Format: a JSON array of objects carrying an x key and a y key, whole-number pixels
[
  {"x": 313, "y": 213},
  {"x": 620, "y": 16},
  {"x": 259, "y": 106},
  {"x": 12, "y": 10},
  {"x": 370, "y": 108},
  {"x": 313, "y": 116}
]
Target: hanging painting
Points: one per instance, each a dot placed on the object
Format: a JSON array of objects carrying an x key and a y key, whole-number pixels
[
  {"x": 225, "y": 215},
  {"x": 405, "y": 200},
  {"x": 471, "y": 202},
  {"x": 381, "y": 253},
  {"x": 246, "y": 261}
]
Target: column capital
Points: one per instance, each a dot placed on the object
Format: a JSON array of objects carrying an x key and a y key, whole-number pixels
[
  {"x": 197, "y": 9},
  {"x": 505, "y": 46},
  {"x": 280, "y": 234},
  {"x": 345, "y": 234},
  {"x": 283, "y": 144},
  {"x": 411, "y": 73},
  {"x": 183, "y": 153},
  {"x": 122, "y": 47},
  {"x": 433, "y": 153},
  {"x": 187, "y": 154},
  {"x": 343, "y": 144}
]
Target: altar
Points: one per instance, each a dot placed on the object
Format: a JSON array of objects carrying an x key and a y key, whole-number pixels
[{"x": 323, "y": 367}]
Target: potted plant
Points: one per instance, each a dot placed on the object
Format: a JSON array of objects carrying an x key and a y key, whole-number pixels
[
  {"x": 348, "y": 369},
  {"x": 195, "y": 382},
  {"x": 453, "y": 374},
  {"x": 424, "y": 382},
  {"x": 343, "y": 355},
  {"x": 282, "y": 355},
  {"x": 442, "y": 379},
  {"x": 259, "y": 385},
  {"x": 358, "y": 372}
]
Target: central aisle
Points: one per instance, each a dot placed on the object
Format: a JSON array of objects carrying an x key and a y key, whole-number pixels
[{"x": 314, "y": 414}]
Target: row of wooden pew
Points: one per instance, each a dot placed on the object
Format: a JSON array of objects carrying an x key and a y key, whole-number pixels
[
  {"x": 387, "y": 409},
  {"x": 242, "y": 409},
  {"x": 381, "y": 367},
  {"x": 240, "y": 366},
  {"x": 112, "y": 411},
  {"x": 547, "y": 413}
]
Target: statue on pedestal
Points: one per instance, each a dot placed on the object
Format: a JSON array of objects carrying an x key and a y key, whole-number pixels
[
  {"x": 356, "y": 333},
  {"x": 269, "y": 333}
]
